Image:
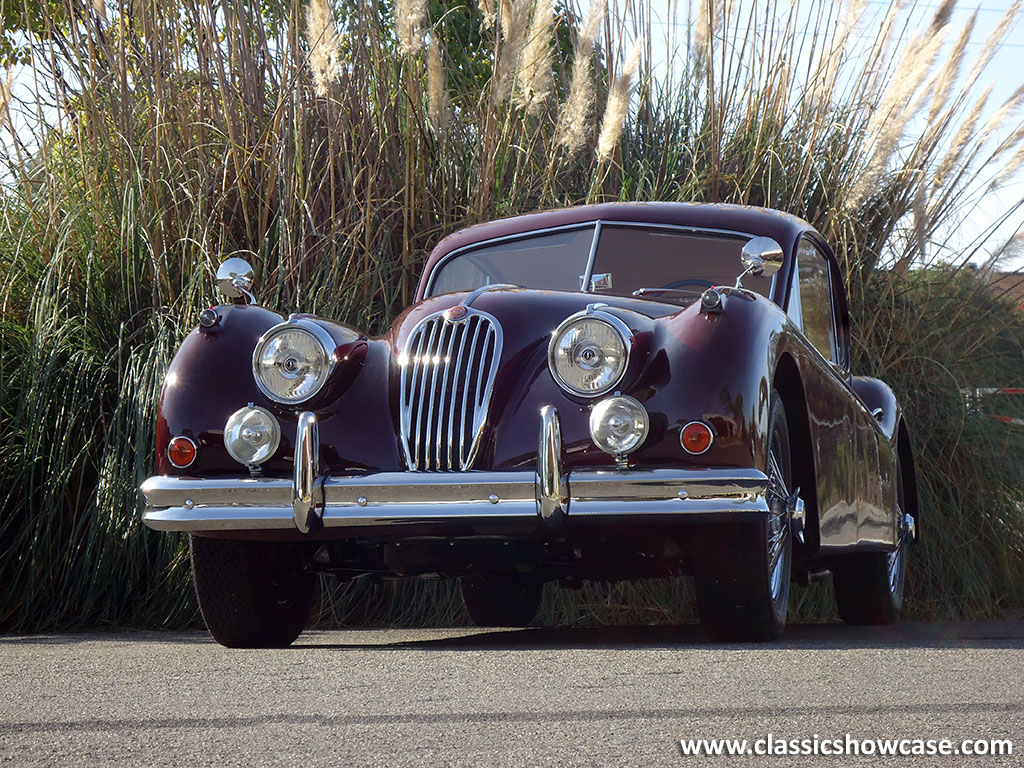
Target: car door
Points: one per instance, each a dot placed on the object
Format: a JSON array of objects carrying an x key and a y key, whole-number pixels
[{"x": 842, "y": 431}]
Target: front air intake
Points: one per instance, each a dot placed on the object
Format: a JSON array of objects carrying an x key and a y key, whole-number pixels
[{"x": 447, "y": 372}]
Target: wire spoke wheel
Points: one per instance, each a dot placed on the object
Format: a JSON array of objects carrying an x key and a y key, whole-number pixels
[
  {"x": 869, "y": 586},
  {"x": 778, "y": 525},
  {"x": 743, "y": 586}
]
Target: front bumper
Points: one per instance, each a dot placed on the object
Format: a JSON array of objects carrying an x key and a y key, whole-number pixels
[{"x": 519, "y": 502}]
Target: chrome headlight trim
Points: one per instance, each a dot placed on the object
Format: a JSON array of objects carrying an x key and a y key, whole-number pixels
[
  {"x": 617, "y": 325},
  {"x": 317, "y": 333}
]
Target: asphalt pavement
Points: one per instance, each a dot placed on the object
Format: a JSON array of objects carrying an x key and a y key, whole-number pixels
[{"x": 614, "y": 696}]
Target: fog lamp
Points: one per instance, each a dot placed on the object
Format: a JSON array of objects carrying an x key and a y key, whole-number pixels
[
  {"x": 618, "y": 425},
  {"x": 251, "y": 435}
]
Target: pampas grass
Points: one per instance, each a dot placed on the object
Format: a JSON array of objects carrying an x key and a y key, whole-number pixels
[
  {"x": 439, "y": 103},
  {"x": 334, "y": 152},
  {"x": 574, "y": 115},
  {"x": 535, "y": 81},
  {"x": 324, "y": 45},
  {"x": 617, "y": 107}
]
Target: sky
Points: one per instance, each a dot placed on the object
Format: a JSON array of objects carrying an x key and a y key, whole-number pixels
[{"x": 1006, "y": 69}]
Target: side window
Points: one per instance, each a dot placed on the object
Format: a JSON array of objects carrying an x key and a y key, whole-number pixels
[{"x": 815, "y": 300}]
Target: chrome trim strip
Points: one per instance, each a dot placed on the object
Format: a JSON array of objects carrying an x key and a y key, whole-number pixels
[
  {"x": 628, "y": 485},
  {"x": 588, "y": 276},
  {"x": 503, "y": 239},
  {"x": 646, "y": 492},
  {"x": 468, "y": 300},
  {"x": 242, "y": 503},
  {"x": 427, "y": 293},
  {"x": 307, "y": 496},
  {"x": 552, "y": 485}
]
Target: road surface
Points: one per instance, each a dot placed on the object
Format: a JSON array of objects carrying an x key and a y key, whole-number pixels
[{"x": 536, "y": 697}]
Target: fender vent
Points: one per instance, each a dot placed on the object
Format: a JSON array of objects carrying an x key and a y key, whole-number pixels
[{"x": 447, "y": 372}]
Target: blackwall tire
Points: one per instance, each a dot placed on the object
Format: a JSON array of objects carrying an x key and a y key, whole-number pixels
[
  {"x": 501, "y": 601},
  {"x": 869, "y": 586},
  {"x": 252, "y": 594},
  {"x": 742, "y": 582}
]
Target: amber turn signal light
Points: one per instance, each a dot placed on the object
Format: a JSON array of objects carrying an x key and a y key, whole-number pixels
[
  {"x": 696, "y": 437},
  {"x": 181, "y": 451}
]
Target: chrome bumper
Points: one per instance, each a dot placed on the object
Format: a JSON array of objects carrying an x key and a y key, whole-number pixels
[{"x": 546, "y": 497}]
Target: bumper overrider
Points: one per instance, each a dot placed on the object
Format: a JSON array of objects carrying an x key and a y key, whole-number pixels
[{"x": 515, "y": 501}]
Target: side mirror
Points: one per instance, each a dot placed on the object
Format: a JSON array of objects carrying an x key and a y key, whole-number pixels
[
  {"x": 235, "y": 278},
  {"x": 761, "y": 257}
]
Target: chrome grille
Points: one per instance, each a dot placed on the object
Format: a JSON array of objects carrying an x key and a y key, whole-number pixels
[{"x": 447, "y": 373}]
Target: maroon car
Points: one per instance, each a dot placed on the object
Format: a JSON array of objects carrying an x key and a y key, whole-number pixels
[{"x": 607, "y": 392}]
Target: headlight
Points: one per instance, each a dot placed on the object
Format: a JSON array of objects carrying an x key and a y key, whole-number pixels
[
  {"x": 251, "y": 435},
  {"x": 588, "y": 353},
  {"x": 292, "y": 361},
  {"x": 618, "y": 425}
]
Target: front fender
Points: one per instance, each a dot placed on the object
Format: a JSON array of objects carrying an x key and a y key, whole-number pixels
[{"x": 688, "y": 366}]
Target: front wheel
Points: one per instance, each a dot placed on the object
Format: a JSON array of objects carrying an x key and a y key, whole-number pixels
[
  {"x": 742, "y": 585},
  {"x": 253, "y": 594},
  {"x": 501, "y": 601}
]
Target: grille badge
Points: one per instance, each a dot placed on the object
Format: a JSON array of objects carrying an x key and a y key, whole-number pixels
[{"x": 456, "y": 314}]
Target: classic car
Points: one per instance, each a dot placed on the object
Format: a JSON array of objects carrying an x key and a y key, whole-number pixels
[{"x": 606, "y": 392}]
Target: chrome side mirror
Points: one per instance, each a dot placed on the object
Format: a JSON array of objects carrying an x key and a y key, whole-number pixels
[
  {"x": 761, "y": 257},
  {"x": 235, "y": 279}
]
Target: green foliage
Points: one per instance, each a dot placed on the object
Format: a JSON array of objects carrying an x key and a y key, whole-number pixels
[{"x": 186, "y": 136}]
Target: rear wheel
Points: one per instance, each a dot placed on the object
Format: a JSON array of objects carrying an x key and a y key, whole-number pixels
[
  {"x": 869, "y": 586},
  {"x": 743, "y": 586},
  {"x": 501, "y": 601},
  {"x": 253, "y": 594}
]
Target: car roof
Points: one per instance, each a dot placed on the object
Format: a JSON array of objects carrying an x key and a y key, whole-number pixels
[{"x": 782, "y": 227}]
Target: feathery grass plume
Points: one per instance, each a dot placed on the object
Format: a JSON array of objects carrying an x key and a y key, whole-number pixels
[
  {"x": 514, "y": 18},
  {"x": 324, "y": 45},
  {"x": 1010, "y": 170},
  {"x": 534, "y": 77},
  {"x": 574, "y": 114},
  {"x": 1010, "y": 142},
  {"x": 950, "y": 71},
  {"x": 702, "y": 30},
  {"x": 899, "y": 102},
  {"x": 953, "y": 156},
  {"x": 488, "y": 13},
  {"x": 439, "y": 103},
  {"x": 1010, "y": 251},
  {"x": 1012, "y": 105},
  {"x": 994, "y": 40},
  {"x": 617, "y": 107},
  {"x": 409, "y": 15}
]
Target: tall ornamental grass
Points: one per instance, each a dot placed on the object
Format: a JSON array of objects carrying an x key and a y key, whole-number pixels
[{"x": 333, "y": 144}]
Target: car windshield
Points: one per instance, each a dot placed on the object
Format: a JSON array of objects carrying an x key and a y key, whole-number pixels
[{"x": 659, "y": 263}]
